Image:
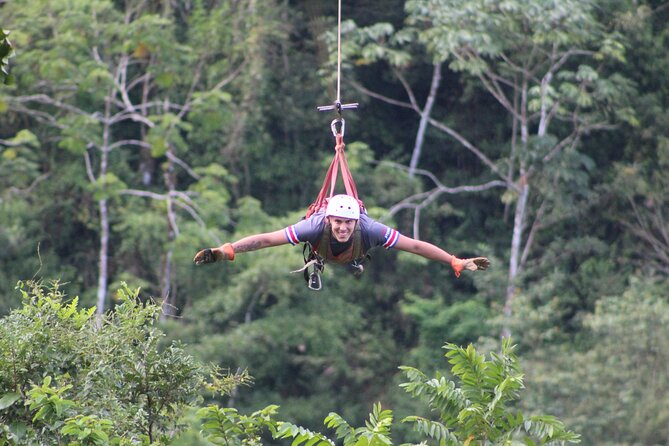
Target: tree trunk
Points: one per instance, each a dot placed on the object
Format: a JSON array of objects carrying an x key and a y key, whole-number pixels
[
  {"x": 425, "y": 119},
  {"x": 167, "y": 292},
  {"x": 103, "y": 274},
  {"x": 103, "y": 267},
  {"x": 516, "y": 245},
  {"x": 168, "y": 307},
  {"x": 520, "y": 213}
]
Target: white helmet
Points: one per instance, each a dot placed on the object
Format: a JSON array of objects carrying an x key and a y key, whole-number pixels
[{"x": 343, "y": 206}]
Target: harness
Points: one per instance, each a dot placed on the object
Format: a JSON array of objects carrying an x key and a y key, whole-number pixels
[
  {"x": 316, "y": 256},
  {"x": 320, "y": 252},
  {"x": 324, "y": 247}
]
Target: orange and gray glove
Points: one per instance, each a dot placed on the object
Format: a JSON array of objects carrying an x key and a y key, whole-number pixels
[
  {"x": 211, "y": 255},
  {"x": 473, "y": 264}
]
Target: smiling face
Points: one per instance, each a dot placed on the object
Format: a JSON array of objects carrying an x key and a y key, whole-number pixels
[{"x": 342, "y": 228}]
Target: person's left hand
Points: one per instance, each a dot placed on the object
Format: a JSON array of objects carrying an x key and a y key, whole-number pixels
[
  {"x": 476, "y": 263},
  {"x": 473, "y": 264}
]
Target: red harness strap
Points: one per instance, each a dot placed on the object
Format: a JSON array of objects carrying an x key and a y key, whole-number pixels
[{"x": 338, "y": 163}]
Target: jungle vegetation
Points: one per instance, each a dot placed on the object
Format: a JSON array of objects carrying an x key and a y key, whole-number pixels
[{"x": 532, "y": 132}]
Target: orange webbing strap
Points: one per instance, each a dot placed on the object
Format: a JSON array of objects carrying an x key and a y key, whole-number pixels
[
  {"x": 349, "y": 184},
  {"x": 338, "y": 163}
]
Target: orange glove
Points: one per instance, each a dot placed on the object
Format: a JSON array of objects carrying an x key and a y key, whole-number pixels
[
  {"x": 457, "y": 265},
  {"x": 209, "y": 255},
  {"x": 474, "y": 264}
]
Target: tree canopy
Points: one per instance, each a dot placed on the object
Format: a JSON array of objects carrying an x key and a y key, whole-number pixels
[{"x": 532, "y": 132}]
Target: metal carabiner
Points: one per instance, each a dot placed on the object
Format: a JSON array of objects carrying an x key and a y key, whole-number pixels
[
  {"x": 333, "y": 126},
  {"x": 315, "y": 283}
]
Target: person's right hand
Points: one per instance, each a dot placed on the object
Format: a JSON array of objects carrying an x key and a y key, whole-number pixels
[
  {"x": 204, "y": 256},
  {"x": 211, "y": 255}
]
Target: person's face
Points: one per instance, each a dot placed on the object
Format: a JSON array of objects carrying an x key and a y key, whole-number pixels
[{"x": 342, "y": 228}]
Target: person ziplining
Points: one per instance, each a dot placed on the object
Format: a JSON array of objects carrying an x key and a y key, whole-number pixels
[
  {"x": 336, "y": 228},
  {"x": 341, "y": 233}
]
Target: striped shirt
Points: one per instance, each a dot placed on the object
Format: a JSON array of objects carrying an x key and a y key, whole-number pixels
[{"x": 373, "y": 233}]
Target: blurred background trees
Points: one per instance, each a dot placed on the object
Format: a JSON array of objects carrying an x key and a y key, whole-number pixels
[{"x": 532, "y": 132}]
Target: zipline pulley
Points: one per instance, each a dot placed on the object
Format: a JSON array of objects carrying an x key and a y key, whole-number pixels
[{"x": 338, "y": 107}]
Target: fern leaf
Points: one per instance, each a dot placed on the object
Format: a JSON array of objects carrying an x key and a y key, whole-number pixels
[
  {"x": 432, "y": 429},
  {"x": 549, "y": 430},
  {"x": 439, "y": 393},
  {"x": 343, "y": 430},
  {"x": 301, "y": 435}
]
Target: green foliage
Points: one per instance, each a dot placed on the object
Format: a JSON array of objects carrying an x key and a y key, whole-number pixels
[
  {"x": 105, "y": 381},
  {"x": 376, "y": 431},
  {"x": 461, "y": 321},
  {"x": 78, "y": 133},
  {"x": 639, "y": 187},
  {"x": 87, "y": 430},
  {"x": 251, "y": 153},
  {"x": 62, "y": 368},
  {"x": 227, "y": 426},
  {"x": 168, "y": 131},
  {"x": 611, "y": 385},
  {"x": 47, "y": 402},
  {"x": 477, "y": 408},
  {"x": 6, "y": 51},
  {"x": 301, "y": 435},
  {"x": 19, "y": 160},
  {"x": 491, "y": 27},
  {"x": 373, "y": 43}
]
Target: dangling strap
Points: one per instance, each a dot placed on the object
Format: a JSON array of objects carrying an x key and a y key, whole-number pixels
[{"x": 313, "y": 260}]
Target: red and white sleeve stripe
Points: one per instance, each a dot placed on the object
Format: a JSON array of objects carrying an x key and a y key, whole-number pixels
[
  {"x": 291, "y": 235},
  {"x": 391, "y": 238}
]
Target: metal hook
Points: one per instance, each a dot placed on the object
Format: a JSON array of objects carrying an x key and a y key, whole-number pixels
[{"x": 333, "y": 126}]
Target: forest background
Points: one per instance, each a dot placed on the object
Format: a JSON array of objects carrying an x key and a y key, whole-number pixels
[{"x": 535, "y": 133}]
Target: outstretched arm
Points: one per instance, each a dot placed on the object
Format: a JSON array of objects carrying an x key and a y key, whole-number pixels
[
  {"x": 429, "y": 251},
  {"x": 227, "y": 251}
]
